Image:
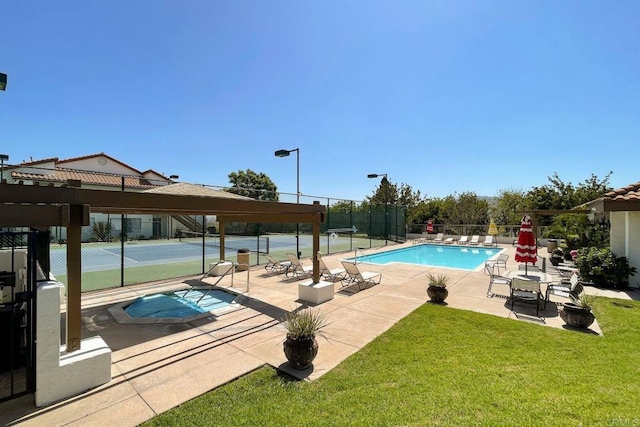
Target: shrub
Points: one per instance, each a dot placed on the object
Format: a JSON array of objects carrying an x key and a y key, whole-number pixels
[{"x": 604, "y": 268}]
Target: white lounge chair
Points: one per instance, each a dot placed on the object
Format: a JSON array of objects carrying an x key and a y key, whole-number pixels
[
  {"x": 475, "y": 240},
  {"x": 488, "y": 240},
  {"x": 449, "y": 241},
  {"x": 296, "y": 269},
  {"x": 275, "y": 266},
  {"x": 355, "y": 276},
  {"x": 330, "y": 273},
  {"x": 463, "y": 240},
  {"x": 438, "y": 238}
]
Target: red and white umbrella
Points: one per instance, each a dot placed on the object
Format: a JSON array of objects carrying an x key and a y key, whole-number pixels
[{"x": 526, "y": 250}]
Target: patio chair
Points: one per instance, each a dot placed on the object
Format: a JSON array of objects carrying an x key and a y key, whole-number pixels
[
  {"x": 330, "y": 273},
  {"x": 495, "y": 279},
  {"x": 475, "y": 240},
  {"x": 526, "y": 291},
  {"x": 438, "y": 238},
  {"x": 463, "y": 240},
  {"x": 564, "y": 289},
  {"x": 499, "y": 262},
  {"x": 355, "y": 276},
  {"x": 488, "y": 240},
  {"x": 275, "y": 266},
  {"x": 296, "y": 269},
  {"x": 448, "y": 241}
]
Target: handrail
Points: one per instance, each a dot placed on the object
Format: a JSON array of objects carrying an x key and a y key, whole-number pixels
[{"x": 355, "y": 261}]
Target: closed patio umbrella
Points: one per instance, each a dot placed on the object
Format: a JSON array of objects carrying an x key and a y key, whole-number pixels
[
  {"x": 526, "y": 250},
  {"x": 493, "y": 230}
]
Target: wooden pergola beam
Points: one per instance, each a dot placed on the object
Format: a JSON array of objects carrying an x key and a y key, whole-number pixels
[{"x": 42, "y": 207}]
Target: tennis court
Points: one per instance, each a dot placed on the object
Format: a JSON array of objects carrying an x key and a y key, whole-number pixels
[{"x": 107, "y": 256}]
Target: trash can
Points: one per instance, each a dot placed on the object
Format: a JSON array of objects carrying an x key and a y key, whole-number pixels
[
  {"x": 243, "y": 259},
  {"x": 551, "y": 245}
]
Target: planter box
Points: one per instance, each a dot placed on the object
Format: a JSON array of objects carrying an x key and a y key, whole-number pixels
[{"x": 316, "y": 293}]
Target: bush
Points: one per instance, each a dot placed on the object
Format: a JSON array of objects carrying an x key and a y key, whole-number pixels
[{"x": 604, "y": 268}]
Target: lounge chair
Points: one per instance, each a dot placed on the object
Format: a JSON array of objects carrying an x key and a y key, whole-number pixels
[
  {"x": 355, "y": 276},
  {"x": 296, "y": 269},
  {"x": 463, "y": 240},
  {"x": 438, "y": 238},
  {"x": 488, "y": 241},
  {"x": 475, "y": 240},
  {"x": 449, "y": 241},
  {"x": 275, "y": 266},
  {"x": 330, "y": 273}
]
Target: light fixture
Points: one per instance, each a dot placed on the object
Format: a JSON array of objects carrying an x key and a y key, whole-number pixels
[
  {"x": 285, "y": 153},
  {"x": 3, "y": 81}
]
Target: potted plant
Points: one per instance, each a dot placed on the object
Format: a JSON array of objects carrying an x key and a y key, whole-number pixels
[
  {"x": 437, "y": 289},
  {"x": 577, "y": 313},
  {"x": 556, "y": 256},
  {"x": 301, "y": 346}
]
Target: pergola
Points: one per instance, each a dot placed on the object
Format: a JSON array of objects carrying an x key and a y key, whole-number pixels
[{"x": 41, "y": 207}]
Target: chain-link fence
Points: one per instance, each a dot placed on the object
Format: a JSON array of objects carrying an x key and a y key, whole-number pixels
[{"x": 119, "y": 250}]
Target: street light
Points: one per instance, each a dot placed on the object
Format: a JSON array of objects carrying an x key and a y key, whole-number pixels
[
  {"x": 386, "y": 203},
  {"x": 3, "y": 157},
  {"x": 285, "y": 153},
  {"x": 3, "y": 81}
]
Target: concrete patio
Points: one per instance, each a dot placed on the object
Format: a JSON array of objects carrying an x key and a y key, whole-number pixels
[{"x": 156, "y": 367}]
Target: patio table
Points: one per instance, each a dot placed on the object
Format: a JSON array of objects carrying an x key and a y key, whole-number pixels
[{"x": 531, "y": 275}]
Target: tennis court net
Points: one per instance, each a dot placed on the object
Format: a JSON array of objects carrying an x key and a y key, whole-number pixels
[{"x": 231, "y": 242}]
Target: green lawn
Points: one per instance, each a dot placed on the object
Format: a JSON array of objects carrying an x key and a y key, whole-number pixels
[{"x": 443, "y": 366}]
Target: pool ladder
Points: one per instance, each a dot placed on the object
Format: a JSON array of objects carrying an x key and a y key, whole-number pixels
[
  {"x": 231, "y": 269},
  {"x": 363, "y": 255}
]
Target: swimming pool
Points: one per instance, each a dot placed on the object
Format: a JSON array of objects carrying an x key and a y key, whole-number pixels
[{"x": 460, "y": 257}]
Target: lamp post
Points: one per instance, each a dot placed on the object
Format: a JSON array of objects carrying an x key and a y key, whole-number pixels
[
  {"x": 285, "y": 153},
  {"x": 3, "y": 157},
  {"x": 386, "y": 203}
]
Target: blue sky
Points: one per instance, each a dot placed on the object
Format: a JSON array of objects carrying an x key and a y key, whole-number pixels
[{"x": 446, "y": 96}]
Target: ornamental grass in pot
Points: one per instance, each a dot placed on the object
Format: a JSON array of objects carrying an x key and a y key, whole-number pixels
[
  {"x": 437, "y": 289},
  {"x": 577, "y": 313},
  {"x": 300, "y": 345}
]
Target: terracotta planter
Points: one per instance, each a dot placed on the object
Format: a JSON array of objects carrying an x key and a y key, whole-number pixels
[
  {"x": 300, "y": 353},
  {"x": 437, "y": 293},
  {"x": 576, "y": 316}
]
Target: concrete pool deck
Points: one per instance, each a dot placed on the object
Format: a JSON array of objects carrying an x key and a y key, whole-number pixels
[{"x": 156, "y": 367}]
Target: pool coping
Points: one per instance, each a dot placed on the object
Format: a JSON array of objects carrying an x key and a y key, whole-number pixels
[{"x": 121, "y": 316}]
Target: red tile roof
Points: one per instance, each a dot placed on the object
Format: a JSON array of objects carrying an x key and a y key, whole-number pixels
[
  {"x": 630, "y": 192},
  {"x": 61, "y": 175}
]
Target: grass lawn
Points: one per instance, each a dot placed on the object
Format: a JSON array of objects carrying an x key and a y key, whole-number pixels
[{"x": 443, "y": 366}]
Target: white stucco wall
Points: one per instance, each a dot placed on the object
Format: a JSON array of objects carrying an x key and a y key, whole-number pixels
[
  {"x": 625, "y": 240},
  {"x": 60, "y": 374}
]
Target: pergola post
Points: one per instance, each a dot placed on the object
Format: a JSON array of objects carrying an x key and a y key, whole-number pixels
[{"x": 74, "y": 276}]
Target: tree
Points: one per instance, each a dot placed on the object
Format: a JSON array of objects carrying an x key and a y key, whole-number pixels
[
  {"x": 385, "y": 193},
  {"x": 467, "y": 208},
  {"x": 251, "y": 184},
  {"x": 508, "y": 202}
]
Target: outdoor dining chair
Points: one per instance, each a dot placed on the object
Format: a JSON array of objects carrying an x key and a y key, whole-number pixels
[{"x": 526, "y": 291}]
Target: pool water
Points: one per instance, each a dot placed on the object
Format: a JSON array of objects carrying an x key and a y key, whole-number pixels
[
  {"x": 460, "y": 257},
  {"x": 176, "y": 305}
]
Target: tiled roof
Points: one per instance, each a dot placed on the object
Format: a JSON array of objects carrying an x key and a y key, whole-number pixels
[
  {"x": 186, "y": 189},
  {"x": 91, "y": 178},
  {"x": 630, "y": 192}
]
